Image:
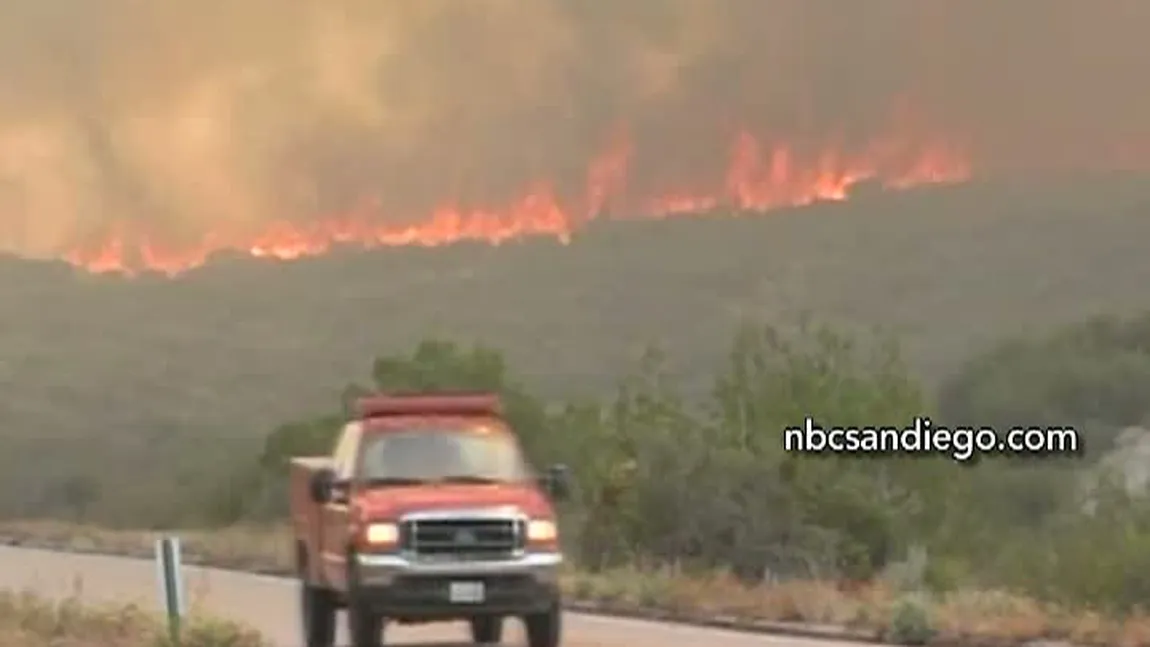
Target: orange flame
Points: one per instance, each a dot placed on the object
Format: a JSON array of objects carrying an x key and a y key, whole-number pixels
[{"x": 758, "y": 178}]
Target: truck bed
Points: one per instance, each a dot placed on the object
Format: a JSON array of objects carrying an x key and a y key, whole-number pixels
[{"x": 306, "y": 515}]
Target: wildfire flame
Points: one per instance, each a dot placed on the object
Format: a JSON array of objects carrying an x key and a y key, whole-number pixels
[{"x": 760, "y": 176}]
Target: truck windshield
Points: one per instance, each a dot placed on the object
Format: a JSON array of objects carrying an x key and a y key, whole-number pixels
[{"x": 424, "y": 455}]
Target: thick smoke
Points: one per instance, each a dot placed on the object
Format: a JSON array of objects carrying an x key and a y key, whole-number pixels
[{"x": 180, "y": 117}]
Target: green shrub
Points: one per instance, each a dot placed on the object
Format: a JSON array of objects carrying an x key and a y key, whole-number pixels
[
  {"x": 664, "y": 480},
  {"x": 1097, "y": 556},
  {"x": 910, "y": 622},
  {"x": 1093, "y": 375}
]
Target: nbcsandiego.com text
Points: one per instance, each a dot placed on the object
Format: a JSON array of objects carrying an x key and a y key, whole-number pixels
[{"x": 922, "y": 438}]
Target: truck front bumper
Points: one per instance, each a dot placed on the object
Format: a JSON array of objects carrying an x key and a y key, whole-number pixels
[{"x": 410, "y": 590}]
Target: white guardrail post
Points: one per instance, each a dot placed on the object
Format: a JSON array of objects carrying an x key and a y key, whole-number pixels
[{"x": 168, "y": 573}]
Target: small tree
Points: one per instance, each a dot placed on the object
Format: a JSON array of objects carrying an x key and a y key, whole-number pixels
[{"x": 439, "y": 364}]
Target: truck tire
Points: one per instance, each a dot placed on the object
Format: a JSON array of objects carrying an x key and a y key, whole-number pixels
[
  {"x": 487, "y": 630},
  {"x": 544, "y": 629},
  {"x": 364, "y": 626},
  {"x": 317, "y": 609}
]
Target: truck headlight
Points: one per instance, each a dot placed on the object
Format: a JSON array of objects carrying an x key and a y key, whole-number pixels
[
  {"x": 541, "y": 530},
  {"x": 381, "y": 533}
]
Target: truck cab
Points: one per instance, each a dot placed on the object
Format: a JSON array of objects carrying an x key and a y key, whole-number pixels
[{"x": 427, "y": 510}]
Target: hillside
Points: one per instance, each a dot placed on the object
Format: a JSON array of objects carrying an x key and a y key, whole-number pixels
[{"x": 127, "y": 368}]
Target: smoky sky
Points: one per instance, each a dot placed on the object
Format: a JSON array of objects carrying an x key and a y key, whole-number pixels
[{"x": 186, "y": 116}]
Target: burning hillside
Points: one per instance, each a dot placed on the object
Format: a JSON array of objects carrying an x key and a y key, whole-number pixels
[
  {"x": 757, "y": 178},
  {"x": 140, "y": 135}
]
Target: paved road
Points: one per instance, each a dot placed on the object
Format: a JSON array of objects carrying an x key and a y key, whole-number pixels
[{"x": 269, "y": 604}]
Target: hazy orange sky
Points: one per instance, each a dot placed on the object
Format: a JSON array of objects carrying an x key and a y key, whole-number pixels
[{"x": 191, "y": 115}]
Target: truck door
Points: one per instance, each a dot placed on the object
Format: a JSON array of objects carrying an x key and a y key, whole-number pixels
[{"x": 335, "y": 516}]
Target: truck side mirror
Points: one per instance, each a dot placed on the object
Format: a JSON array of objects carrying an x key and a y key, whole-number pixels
[
  {"x": 557, "y": 482},
  {"x": 321, "y": 485}
]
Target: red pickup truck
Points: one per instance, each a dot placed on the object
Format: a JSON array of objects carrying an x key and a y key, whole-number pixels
[{"x": 426, "y": 511}]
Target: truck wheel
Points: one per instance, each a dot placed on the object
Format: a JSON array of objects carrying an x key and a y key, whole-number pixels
[
  {"x": 364, "y": 624},
  {"x": 364, "y": 627},
  {"x": 544, "y": 629},
  {"x": 487, "y": 630},
  {"x": 317, "y": 609}
]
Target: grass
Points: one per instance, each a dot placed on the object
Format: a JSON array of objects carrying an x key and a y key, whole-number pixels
[
  {"x": 860, "y": 611},
  {"x": 28, "y": 620}
]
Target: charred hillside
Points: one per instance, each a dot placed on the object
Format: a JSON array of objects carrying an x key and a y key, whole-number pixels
[
  {"x": 241, "y": 343},
  {"x": 126, "y": 370}
]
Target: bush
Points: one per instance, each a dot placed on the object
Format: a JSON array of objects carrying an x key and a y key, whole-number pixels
[
  {"x": 1093, "y": 376},
  {"x": 29, "y": 620},
  {"x": 910, "y": 622},
  {"x": 1096, "y": 556},
  {"x": 663, "y": 481}
]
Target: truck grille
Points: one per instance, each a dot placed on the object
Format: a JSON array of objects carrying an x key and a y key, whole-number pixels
[{"x": 463, "y": 539}]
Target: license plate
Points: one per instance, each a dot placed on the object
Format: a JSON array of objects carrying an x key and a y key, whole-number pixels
[{"x": 466, "y": 592}]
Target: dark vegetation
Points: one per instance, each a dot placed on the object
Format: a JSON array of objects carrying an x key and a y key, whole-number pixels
[
  {"x": 681, "y": 461},
  {"x": 707, "y": 485}
]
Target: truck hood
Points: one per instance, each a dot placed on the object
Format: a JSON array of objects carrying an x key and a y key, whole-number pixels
[{"x": 388, "y": 503}]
